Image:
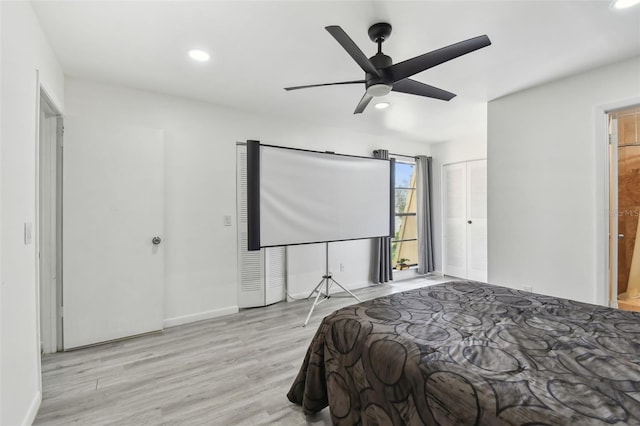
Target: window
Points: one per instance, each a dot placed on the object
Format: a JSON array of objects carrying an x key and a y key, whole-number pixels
[{"x": 404, "y": 246}]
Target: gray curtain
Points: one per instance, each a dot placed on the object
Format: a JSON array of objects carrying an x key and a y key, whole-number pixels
[
  {"x": 423, "y": 213},
  {"x": 382, "y": 271}
]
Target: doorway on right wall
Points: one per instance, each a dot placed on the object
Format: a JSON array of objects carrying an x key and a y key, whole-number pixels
[{"x": 624, "y": 155}]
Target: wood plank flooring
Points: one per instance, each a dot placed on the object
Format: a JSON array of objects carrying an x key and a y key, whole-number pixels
[
  {"x": 233, "y": 370},
  {"x": 629, "y": 305}
]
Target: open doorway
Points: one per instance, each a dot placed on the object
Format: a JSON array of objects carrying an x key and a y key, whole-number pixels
[
  {"x": 624, "y": 204},
  {"x": 50, "y": 224}
]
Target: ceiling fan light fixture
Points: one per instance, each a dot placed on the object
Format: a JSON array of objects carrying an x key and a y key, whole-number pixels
[
  {"x": 624, "y": 4},
  {"x": 379, "y": 89},
  {"x": 382, "y": 105},
  {"x": 199, "y": 55}
]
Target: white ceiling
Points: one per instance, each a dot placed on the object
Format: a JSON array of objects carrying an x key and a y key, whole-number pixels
[{"x": 260, "y": 47}]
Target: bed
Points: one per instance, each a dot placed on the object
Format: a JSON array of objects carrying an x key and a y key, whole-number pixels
[{"x": 472, "y": 353}]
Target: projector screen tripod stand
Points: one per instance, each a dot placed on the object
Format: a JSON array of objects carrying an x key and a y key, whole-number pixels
[{"x": 327, "y": 281}]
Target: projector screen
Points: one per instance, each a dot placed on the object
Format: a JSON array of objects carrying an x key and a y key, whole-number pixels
[{"x": 302, "y": 197}]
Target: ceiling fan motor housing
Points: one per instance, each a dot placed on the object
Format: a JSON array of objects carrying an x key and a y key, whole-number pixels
[{"x": 379, "y": 86}]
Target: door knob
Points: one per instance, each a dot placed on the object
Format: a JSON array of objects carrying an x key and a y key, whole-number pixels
[
  {"x": 156, "y": 240},
  {"x": 620, "y": 236},
  {"x": 469, "y": 222}
]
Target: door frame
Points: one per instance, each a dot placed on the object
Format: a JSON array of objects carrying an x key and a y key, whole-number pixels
[
  {"x": 613, "y": 210},
  {"x": 49, "y": 292},
  {"x": 605, "y": 287}
]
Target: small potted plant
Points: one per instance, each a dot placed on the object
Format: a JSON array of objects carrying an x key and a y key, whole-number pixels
[{"x": 403, "y": 263}]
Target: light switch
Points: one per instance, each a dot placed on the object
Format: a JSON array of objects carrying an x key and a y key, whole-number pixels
[
  {"x": 28, "y": 233},
  {"x": 227, "y": 220}
]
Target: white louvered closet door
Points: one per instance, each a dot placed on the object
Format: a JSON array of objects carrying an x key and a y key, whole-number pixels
[
  {"x": 464, "y": 193},
  {"x": 477, "y": 220},
  {"x": 275, "y": 274},
  {"x": 261, "y": 274},
  {"x": 454, "y": 178}
]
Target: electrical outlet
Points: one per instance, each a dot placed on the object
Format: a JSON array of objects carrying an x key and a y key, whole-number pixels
[
  {"x": 227, "y": 220},
  {"x": 341, "y": 267},
  {"x": 527, "y": 288}
]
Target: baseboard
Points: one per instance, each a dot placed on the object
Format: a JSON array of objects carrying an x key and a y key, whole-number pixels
[
  {"x": 32, "y": 412},
  {"x": 199, "y": 316}
]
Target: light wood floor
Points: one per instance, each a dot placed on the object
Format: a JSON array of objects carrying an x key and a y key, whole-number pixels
[
  {"x": 233, "y": 370},
  {"x": 629, "y": 305}
]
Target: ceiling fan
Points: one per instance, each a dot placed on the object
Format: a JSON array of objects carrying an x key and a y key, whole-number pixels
[{"x": 382, "y": 76}]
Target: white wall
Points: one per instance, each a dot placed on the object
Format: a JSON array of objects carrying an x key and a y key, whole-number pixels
[
  {"x": 546, "y": 183},
  {"x": 1, "y": 280},
  {"x": 24, "y": 50},
  {"x": 200, "y": 147},
  {"x": 306, "y": 265},
  {"x": 470, "y": 147}
]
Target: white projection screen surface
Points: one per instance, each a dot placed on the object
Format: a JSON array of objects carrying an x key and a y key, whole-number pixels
[{"x": 310, "y": 197}]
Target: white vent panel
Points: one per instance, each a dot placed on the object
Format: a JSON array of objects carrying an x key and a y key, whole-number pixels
[{"x": 251, "y": 277}]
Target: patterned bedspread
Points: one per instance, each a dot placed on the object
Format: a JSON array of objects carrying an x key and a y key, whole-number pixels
[{"x": 473, "y": 353}]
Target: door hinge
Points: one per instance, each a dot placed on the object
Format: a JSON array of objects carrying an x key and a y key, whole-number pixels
[{"x": 60, "y": 137}]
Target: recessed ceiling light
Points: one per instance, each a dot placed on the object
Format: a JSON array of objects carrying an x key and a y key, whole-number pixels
[
  {"x": 199, "y": 55},
  {"x": 382, "y": 105},
  {"x": 623, "y": 4}
]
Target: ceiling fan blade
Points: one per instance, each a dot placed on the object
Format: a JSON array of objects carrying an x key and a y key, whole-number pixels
[
  {"x": 324, "y": 84},
  {"x": 363, "y": 103},
  {"x": 352, "y": 49},
  {"x": 420, "y": 63},
  {"x": 413, "y": 87}
]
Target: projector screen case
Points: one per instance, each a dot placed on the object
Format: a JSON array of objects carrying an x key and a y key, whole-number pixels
[
  {"x": 253, "y": 195},
  {"x": 307, "y": 197}
]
